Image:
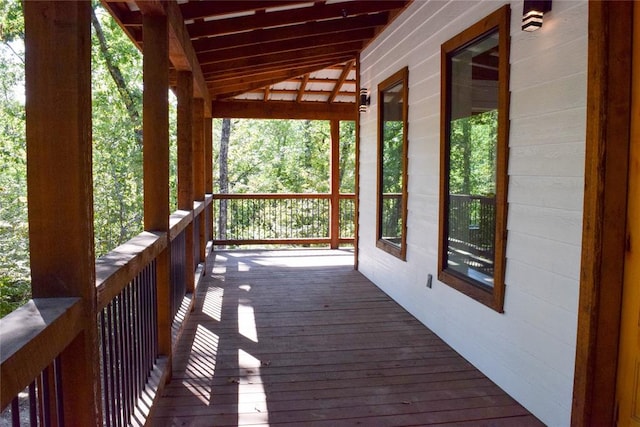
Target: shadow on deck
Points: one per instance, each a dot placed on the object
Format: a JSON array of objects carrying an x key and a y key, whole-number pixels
[{"x": 300, "y": 338}]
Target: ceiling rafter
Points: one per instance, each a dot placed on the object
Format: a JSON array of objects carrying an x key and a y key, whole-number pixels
[
  {"x": 308, "y": 29},
  {"x": 219, "y": 91},
  {"x": 270, "y": 48},
  {"x": 252, "y": 72},
  {"x": 287, "y": 17},
  {"x": 202, "y": 10},
  {"x": 343, "y": 76},
  {"x": 268, "y": 51},
  {"x": 303, "y": 87},
  {"x": 284, "y": 57}
]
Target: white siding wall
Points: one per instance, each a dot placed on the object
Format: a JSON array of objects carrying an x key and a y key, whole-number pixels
[{"x": 530, "y": 349}]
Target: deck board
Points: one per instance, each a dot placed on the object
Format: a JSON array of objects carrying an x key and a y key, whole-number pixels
[{"x": 299, "y": 338}]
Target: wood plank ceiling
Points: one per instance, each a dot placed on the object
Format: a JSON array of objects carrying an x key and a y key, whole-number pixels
[{"x": 280, "y": 59}]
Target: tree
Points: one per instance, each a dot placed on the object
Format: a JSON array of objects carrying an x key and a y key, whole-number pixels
[
  {"x": 117, "y": 149},
  {"x": 117, "y": 134},
  {"x": 15, "y": 275}
]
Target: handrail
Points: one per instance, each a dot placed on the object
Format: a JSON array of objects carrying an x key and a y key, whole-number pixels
[
  {"x": 285, "y": 218},
  {"x": 236, "y": 196},
  {"x": 118, "y": 267},
  {"x": 32, "y": 336},
  {"x": 35, "y": 335},
  {"x": 198, "y": 207},
  {"x": 178, "y": 221}
]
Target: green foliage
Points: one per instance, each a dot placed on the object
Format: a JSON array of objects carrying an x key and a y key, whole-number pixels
[
  {"x": 117, "y": 147},
  {"x": 11, "y": 22},
  {"x": 472, "y": 154},
  {"x": 14, "y": 244},
  {"x": 117, "y": 151},
  {"x": 285, "y": 156}
]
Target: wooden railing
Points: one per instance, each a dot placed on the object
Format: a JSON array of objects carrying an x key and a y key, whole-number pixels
[
  {"x": 37, "y": 336},
  {"x": 472, "y": 230},
  {"x": 284, "y": 219}
]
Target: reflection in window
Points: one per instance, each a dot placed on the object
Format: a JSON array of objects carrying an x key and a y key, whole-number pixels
[
  {"x": 474, "y": 151},
  {"x": 473, "y": 131},
  {"x": 392, "y": 176}
]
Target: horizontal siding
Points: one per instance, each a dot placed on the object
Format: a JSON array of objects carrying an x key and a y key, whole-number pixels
[{"x": 529, "y": 350}]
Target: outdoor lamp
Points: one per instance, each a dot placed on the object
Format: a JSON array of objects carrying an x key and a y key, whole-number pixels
[
  {"x": 532, "y": 13},
  {"x": 365, "y": 100}
]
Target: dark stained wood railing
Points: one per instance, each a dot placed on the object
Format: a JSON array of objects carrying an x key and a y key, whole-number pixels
[
  {"x": 33, "y": 338},
  {"x": 472, "y": 229},
  {"x": 284, "y": 219},
  {"x": 132, "y": 370}
]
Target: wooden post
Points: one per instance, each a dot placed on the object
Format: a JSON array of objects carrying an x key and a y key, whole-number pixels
[
  {"x": 156, "y": 160},
  {"x": 356, "y": 202},
  {"x": 208, "y": 170},
  {"x": 60, "y": 185},
  {"x": 334, "y": 222},
  {"x": 198, "y": 169},
  {"x": 185, "y": 164}
]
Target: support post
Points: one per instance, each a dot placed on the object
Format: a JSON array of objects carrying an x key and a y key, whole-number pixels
[
  {"x": 155, "y": 131},
  {"x": 60, "y": 185},
  {"x": 208, "y": 170},
  {"x": 356, "y": 204},
  {"x": 198, "y": 169},
  {"x": 185, "y": 165},
  {"x": 334, "y": 221}
]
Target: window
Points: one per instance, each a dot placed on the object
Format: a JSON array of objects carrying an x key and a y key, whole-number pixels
[
  {"x": 392, "y": 164},
  {"x": 473, "y": 159}
]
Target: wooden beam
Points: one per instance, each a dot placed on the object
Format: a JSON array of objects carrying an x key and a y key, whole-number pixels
[
  {"x": 283, "y": 110},
  {"x": 198, "y": 171},
  {"x": 208, "y": 172},
  {"x": 340, "y": 49},
  {"x": 185, "y": 140},
  {"x": 307, "y": 29},
  {"x": 343, "y": 76},
  {"x": 155, "y": 130},
  {"x": 60, "y": 184},
  {"x": 334, "y": 218},
  {"x": 198, "y": 149},
  {"x": 254, "y": 74},
  {"x": 201, "y": 10},
  {"x": 302, "y": 88},
  {"x": 237, "y": 86},
  {"x": 357, "y": 173},
  {"x": 603, "y": 233},
  {"x": 181, "y": 52},
  {"x": 317, "y": 12},
  {"x": 156, "y": 124},
  {"x": 186, "y": 165},
  {"x": 293, "y": 46}
]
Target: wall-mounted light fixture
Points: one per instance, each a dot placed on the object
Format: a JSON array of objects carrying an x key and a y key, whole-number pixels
[
  {"x": 365, "y": 100},
  {"x": 533, "y": 12}
]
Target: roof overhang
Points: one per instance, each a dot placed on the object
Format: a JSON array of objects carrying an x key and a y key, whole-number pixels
[{"x": 267, "y": 59}]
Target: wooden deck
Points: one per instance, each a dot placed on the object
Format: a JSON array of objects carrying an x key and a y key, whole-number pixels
[{"x": 300, "y": 338}]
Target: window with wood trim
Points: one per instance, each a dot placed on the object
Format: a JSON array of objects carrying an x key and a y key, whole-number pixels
[
  {"x": 473, "y": 159},
  {"x": 393, "y": 95}
]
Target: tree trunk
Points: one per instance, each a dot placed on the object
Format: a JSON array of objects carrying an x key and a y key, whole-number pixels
[
  {"x": 224, "y": 176},
  {"x": 128, "y": 97}
]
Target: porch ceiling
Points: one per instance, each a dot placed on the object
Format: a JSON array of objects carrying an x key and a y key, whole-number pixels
[{"x": 267, "y": 58}]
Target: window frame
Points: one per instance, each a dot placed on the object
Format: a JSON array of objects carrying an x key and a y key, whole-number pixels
[
  {"x": 491, "y": 297},
  {"x": 401, "y": 76}
]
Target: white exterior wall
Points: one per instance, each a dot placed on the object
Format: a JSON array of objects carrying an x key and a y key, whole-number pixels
[{"x": 529, "y": 350}]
